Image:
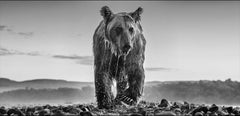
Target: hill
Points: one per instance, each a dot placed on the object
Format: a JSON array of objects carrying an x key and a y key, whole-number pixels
[
  {"x": 8, "y": 85},
  {"x": 202, "y": 92},
  {"x": 5, "y": 82}
]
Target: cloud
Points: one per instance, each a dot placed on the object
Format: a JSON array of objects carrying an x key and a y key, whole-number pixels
[
  {"x": 25, "y": 34},
  {"x": 10, "y": 30},
  {"x": 88, "y": 60},
  {"x": 71, "y": 57},
  {"x": 5, "y": 28},
  {"x": 85, "y": 60},
  {"x": 2, "y": 27},
  {"x": 4, "y": 52},
  {"x": 158, "y": 69}
]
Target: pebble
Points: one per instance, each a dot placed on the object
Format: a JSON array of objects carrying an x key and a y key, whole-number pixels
[{"x": 142, "y": 109}]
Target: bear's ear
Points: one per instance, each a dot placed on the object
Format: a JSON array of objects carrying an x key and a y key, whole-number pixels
[
  {"x": 136, "y": 14},
  {"x": 106, "y": 12}
]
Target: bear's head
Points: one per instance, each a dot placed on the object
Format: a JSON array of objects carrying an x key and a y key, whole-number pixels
[{"x": 121, "y": 29}]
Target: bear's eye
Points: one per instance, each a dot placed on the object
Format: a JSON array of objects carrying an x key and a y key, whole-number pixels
[
  {"x": 131, "y": 30},
  {"x": 119, "y": 30}
]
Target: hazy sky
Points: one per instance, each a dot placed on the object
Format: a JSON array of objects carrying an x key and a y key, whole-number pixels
[{"x": 185, "y": 40}]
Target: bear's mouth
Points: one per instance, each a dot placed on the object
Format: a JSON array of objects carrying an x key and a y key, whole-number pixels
[
  {"x": 126, "y": 49},
  {"x": 120, "y": 52}
]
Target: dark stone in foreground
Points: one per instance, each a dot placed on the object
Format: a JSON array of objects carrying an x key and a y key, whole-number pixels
[{"x": 142, "y": 109}]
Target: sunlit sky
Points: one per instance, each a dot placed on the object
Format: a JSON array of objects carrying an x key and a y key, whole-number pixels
[{"x": 198, "y": 40}]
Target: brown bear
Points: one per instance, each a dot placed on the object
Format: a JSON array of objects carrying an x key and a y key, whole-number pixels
[{"x": 118, "y": 47}]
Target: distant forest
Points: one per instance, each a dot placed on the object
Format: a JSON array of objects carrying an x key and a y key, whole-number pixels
[{"x": 219, "y": 92}]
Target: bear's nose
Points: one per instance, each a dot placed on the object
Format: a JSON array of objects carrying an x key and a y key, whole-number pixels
[{"x": 126, "y": 48}]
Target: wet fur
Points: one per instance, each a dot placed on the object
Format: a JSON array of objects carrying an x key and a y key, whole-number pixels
[{"x": 110, "y": 65}]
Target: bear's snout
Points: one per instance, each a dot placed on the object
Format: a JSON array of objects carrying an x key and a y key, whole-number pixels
[{"x": 126, "y": 48}]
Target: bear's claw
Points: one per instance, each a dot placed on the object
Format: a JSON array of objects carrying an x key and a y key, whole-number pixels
[{"x": 125, "y": 99}]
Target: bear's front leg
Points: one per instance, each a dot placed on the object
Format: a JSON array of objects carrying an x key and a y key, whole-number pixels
[
  {"x": 121, "y": 87},
  {"x": 136, "y": 78},
  {"x": 103, "y": 91}
]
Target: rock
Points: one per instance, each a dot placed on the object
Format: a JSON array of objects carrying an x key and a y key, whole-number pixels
[
  {"x": 59, "y": 113},
  {"x": 3, "y": 111},
  {"x": 86, "y": 113},
  {"x": 213, "y": 108},
  {"x": 236, "y": 111},
  {"x": 213, "y": 114},
  {"x": 143, "y": 102},
  {"x": 176, "y": 105},
  {"x": 164, "y": 103},
  {"x": 149, "y": 109},
  {"x": 221, "y": 113},
  {"x": 149, "y": 114},
  {"x": 192, "y": 106},
  {"x": 47, "y": 111},
  {"x": 132, "y": 110},
  {"x": 135, "y": 114},
  {"x": 229, "y": 109},
  {"x": 177, "y": 110},
  {"x": 152, "y": 104},
  {"x": 75, "y": 111},
  {"x": 15, "y": 111},
  {"x": 142, "y": 111},
  {"x": 203, "y": 109},
  {"x": 199, "y": 114},
  {"x": 41, "y": 113},
  {"x": 165, "y": 113}
]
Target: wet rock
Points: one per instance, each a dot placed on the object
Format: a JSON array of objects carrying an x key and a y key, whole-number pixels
[
  {"x": 142, "y": 111},
  {"x": 164, "y": 103},
  {"x": 29, "y": 110},
  {"x": 192, "y": 106},
  {"x": 15, "y": 111},
  {"x": 185, "y": 106},
  {"x": 156, "y": 111},
  {"x": 199, "y": 114},
  {"x": 75, "y": 111},
  {"x": 86, "y": 113},
  {"x": 213, "y": 108},
  {"x": 229, "y": 109},
  {"x": 132, "y": 110},
  {"x": 59, "y": 113},
  {"x": 165, "y": 113},
  {"x": 150, "y": 114},
  {"x": 143, "y": 102},
  {"x": 176, "y": 105},
  {"x": 43, "y": 113},
  {"x": 3, "y": 111},
  {"x": 152, "y": 104},
  {"x": 221, "y": 113},
  {"x": 167, "y": 108},
  {"x": 145, "y": 109},
  {"x": 203, "y": 109},
  {"x": 236, "y": 111},
  {"x": 135, "y": 114},
  {"x": 177, "y": 111},
  {"x": 65, "y": 109}
]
